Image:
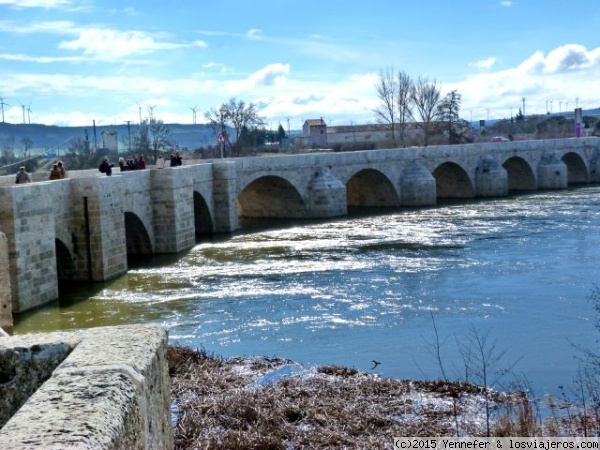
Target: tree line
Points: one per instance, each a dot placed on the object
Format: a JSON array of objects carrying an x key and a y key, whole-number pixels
[{"x": 404, "y": 100}]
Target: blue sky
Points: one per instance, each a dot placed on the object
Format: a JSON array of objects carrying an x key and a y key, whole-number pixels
[{"x": 71, "y": 62}]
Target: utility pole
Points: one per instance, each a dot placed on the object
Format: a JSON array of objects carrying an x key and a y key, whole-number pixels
[
  {"x": 523, "y": 106},
  {"x": 128, "y": 122},
  {"x": 222, "y": 134},
  {"x": 95, "y": 140},
  {"x": 450, "y": 119}
]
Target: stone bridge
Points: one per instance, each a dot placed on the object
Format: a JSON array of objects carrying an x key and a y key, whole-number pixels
[{"x": 85, "y": 226}]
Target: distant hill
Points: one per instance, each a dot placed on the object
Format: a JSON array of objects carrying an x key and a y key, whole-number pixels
[{"x": 47, "y": 137}]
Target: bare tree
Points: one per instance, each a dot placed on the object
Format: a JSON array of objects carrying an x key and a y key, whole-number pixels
[
  {"x": 141, "y": 139},
  {"x": 27, "y": 144},
  {"x": 242, "y": 115},
  {"x": 79, "y": 154},
  {"x": 236, "y": 115},
  {"x": 404, "y": 103},
  {"x": 394, "y": 92},
  {"x": 151, "y": 138},
  {"x": 482, "y": 359},
  {"x": 161, "y": 137},
  {"x": 387, "y": 111},
  {"x": 425, "y": 97}
]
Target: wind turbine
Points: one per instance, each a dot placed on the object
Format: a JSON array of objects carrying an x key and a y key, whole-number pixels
[
  {"x": 194, "y": 109},
  {"x": 151, "y": 110},
  {"x": 139, "y": 111},
  {"x": 29, "y": 111},
  {"x": 23, "y": 108},
  {"x": 2, "y": 103}
]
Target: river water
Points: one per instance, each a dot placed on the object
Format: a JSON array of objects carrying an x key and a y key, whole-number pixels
[{"x": 413, "y": 289}]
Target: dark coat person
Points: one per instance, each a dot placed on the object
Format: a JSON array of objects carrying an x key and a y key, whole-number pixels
[{"x": 106, "y": 167}]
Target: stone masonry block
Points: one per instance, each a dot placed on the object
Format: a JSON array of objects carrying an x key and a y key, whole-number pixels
[{"x": 111, "y": 392}]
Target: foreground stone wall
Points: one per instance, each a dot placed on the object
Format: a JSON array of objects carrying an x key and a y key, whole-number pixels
[
  {"x": 103, "y": 388},
  {"x": 6, "y": 320}
]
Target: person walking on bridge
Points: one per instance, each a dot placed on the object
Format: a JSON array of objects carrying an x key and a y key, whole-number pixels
[
  {"x": 106, "y": 167},
  {"x": 55, "y": 173},
  {"x": 61, "y": 167},
  {"x": 22, "y": 176}
]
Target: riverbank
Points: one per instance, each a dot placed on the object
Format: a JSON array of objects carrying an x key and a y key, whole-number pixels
[
  {"x": 277, "y": 404},
  {"x": 273, "y": 403}
]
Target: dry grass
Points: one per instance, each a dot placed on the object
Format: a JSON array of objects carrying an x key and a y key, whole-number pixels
[
  {"x": 230, "y": 404},
  {"x": 223, "y": 405}
]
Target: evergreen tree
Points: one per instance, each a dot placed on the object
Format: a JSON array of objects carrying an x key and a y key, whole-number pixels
[{"x": 280, "y": 133}]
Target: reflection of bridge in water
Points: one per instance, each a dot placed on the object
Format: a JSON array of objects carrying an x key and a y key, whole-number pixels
[{"x": 83, "y": 227}]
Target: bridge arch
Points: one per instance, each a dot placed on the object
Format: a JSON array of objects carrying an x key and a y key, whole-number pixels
[
  {"x": 452, "y": 181},
  {"x": 65, "y": 265},
  {"x": 371, "y": 188},
  {"x": 203, "y": 221},
  {"x": 577, "y": 171},
  {"x": 271, "y": 196},
  {"x": 520, "y": 175},
  {"x": 136, "y": 236}
]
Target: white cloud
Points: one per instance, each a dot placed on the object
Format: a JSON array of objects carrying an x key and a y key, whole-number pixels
[
  {"x": 199, "y": 43},
  {"x": 506, "y": 3},
  {"x": 269, "y": 75},
  {"x": 36, "y": 3},
  {"x": 222, "y": 68},
  {"x": 53, "y": 27},
  {"x": 108, "y": 45},
  {"x": 486, "y": 63},
  {"x": 254, "y": 33},
  {"x": 569, "y": 74},
  {"x": 40, "y": 59}
]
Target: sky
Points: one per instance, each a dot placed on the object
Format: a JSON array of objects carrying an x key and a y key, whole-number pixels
[{"x": 78, "y": 62}]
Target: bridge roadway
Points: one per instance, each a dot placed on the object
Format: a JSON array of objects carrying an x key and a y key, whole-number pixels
[{"x": 84, "y": 227}]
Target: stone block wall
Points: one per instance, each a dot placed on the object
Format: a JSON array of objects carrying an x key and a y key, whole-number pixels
[
  {"x": 172, "y": 204},
  {"x": 102, "y": 389},
  {"x": 98, "y": 224},
  {"x": 27, "y": 220},
  {"x": 6, "y": 320}
]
